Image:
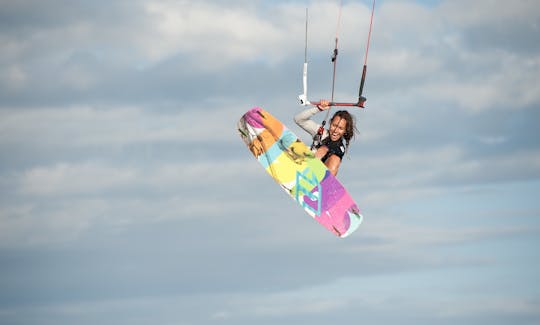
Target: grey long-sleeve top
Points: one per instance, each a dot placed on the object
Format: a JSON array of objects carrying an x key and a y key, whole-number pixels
[{"x": 303, "y": 119}]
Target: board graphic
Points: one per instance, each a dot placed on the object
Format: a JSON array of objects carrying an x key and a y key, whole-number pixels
[{"x": 303, "y": 176}]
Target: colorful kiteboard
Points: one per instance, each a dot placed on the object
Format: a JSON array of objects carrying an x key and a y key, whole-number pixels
[{"x": 303, "y": 176}]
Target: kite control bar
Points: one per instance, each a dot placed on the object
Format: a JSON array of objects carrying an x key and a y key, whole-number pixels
[{"x": 360, "y": 103}]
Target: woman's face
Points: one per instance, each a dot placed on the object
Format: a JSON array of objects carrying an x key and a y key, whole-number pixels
[{"x": 337, "y": 128}]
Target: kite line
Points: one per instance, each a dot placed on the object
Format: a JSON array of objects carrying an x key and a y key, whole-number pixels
[{"x": 361, "y": 99}]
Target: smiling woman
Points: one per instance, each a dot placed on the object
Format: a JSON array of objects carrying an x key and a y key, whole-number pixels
[{"x": 328, "y": 144}]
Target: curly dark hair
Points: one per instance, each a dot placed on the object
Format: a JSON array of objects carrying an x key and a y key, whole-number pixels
[{"x": 350, "y": 128}]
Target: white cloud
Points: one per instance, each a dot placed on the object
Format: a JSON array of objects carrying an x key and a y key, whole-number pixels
[
  {"x": 66, "y": 179},
  {"x": 489, "y": 12},
  {"x": 58, "y": 221},
  {"x": 67, "y": 199},
  {"x": 89, "y": 178},
  {"x": 109, "y": 127},
  {"x": 511, "y": 84},
  {"x": 213, "y": 34},
  {"x": 440, "y": 64},
  {"x": 393, "y": 235},
  {"x": 13, "y": 78},
  {"x": 218, "y": 35}
]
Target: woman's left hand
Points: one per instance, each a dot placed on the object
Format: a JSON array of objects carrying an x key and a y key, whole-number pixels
[{"x": 323, "y": 105}]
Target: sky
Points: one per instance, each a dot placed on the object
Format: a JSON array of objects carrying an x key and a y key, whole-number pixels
[{"x": 128, "y": 197}]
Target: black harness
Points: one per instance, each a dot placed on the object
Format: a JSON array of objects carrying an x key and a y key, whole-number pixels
[{"x": 334, "y": 148}]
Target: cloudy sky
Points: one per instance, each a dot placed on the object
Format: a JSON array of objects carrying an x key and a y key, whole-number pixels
[{"x": 127, "y": 196}]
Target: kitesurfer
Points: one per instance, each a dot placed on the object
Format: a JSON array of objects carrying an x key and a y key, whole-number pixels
[{"x": 330, "y": 145}]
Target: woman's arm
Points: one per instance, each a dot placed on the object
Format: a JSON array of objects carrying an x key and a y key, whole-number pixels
[
  {"x": 332, "y": 163},
  {"x": 303, "y": 119}
]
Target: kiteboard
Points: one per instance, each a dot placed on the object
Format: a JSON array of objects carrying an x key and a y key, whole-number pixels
[{"x": 296, "y": 169}]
